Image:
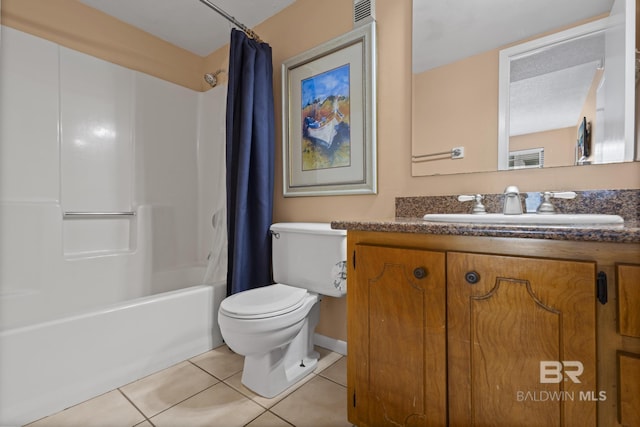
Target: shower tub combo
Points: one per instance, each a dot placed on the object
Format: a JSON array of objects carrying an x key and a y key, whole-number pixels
[
  {"x": 81, "y": 324},
  {"x": 112, "y": 180},
  {"x": 49, "y": 366}
]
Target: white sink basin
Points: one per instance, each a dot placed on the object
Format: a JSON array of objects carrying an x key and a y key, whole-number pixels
[{"x": 528, "y": 219}]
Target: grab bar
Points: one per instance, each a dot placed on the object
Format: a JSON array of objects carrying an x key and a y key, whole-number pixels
[{"x": 86, "y": 215}]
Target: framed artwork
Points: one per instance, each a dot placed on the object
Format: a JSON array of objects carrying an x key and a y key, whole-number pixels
[{"x": 329, "y": 116}]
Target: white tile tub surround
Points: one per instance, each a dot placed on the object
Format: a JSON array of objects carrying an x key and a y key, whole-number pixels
[
  {"x": 29, "y": 164},
  {"x": 96, "y": 122},
  {"x": 166, "y": 152},
  {"x": 126, "y": 142},
  {"x": 96, "y": 151},
  {"x": 82, "y": 134},
  {"x": 39, "y": 283}
]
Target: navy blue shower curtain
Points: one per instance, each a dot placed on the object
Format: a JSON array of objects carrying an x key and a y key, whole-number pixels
[{"x": 250, "y": 157}]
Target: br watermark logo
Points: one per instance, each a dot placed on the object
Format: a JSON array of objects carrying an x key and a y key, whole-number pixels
[
  {"x": 551, "y": 371},
  {"x": 555, "y": 372}
]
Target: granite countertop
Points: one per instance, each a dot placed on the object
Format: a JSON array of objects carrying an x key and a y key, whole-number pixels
[
  {"x": 627, "y": 233},
  {"x": 409, "y": 212}
]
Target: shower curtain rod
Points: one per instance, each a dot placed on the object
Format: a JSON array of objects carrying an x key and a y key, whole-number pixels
[{"x": 248, "y": 31}]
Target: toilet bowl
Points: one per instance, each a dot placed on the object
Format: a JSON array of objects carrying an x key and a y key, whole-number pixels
[
  {"x": 272, "y": 326},
  {"x": 277, "y": 346}
]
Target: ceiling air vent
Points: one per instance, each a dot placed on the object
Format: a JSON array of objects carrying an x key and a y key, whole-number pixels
[{"x": 363, "y": 12}]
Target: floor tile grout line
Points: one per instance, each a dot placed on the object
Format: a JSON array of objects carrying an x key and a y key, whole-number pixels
[
  {"x": 272, "y": 413},
  {"x": 333, "y": 381},
  {"x": 330, "y": 379},
  {"x": 214, "y": 376},
  {"x": 283, "y": 419},
  {"x": 177, "y": 403},
  {"x": 290, "y": 396},
  {"x": 255, "y": 418},
  {"x": 135, "y": 406}
]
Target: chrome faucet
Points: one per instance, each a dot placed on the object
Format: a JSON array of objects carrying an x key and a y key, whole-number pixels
[
  {"x": 546, "y": 207},
  {"x": 512, "y": 203},
  {"x": 478, "y": 208}
]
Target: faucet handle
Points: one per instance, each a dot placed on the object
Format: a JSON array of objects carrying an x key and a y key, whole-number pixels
[
  {"x": 546, "y": 207},
  {"x": 479, "y": 207},
  {"x": 561, "y": 194}
]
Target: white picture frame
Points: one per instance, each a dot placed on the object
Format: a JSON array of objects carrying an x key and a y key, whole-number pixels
[{"x": 329, "y": 117}]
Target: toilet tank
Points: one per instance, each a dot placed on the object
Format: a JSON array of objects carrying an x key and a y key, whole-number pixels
[{"x": 310, "y": 255}]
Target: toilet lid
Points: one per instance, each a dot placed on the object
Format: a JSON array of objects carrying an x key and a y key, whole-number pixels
[{"x": 262, "y": 302}]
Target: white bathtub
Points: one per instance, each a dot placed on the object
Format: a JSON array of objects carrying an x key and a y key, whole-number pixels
[{"x": 50, "y": 366}]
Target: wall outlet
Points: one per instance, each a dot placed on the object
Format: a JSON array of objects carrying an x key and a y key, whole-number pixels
[{"x": 457, "y": 153}]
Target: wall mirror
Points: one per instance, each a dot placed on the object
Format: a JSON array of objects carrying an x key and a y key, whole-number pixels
[{"x": 563, "y": 99}]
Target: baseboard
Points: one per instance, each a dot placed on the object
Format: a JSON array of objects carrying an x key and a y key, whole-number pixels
[{"x": 330, "y": 344}]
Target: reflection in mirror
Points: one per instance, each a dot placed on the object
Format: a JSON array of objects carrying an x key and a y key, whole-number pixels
[
  {"x": 456, "y": 98},
  {"x": 556, "y": 97}
]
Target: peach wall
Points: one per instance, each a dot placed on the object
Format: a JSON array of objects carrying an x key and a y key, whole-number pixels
[
  {"x": 217, "y": 60},
  {"x": 82, "y": 28},
  {"x": 559, "y": 145},
  {"x": 456, "y": 105},
  {"x": 393, "y": 107}
]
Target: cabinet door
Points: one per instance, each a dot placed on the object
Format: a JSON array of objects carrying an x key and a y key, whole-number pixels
[
  {"x": 629, "y": 388},
  {"x": 628, "y": 277},
  {"x": 521, "y": 341},
  {"x": 397, "y": 338}
]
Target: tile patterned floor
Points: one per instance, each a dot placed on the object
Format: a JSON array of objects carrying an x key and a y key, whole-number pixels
[{"x": 206, "y": 391}]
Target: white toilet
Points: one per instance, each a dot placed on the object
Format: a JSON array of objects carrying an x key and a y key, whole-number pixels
[{"x": 273, "y": 326}]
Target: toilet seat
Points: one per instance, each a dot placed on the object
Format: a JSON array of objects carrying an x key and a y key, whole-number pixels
[{"x": 264, "y": 302}]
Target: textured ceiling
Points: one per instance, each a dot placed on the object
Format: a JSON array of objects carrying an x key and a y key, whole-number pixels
[
  {"x": 549, "y": 88},
  {"x": 189, "y": 24},
  {"x": 445, "y": 31}
]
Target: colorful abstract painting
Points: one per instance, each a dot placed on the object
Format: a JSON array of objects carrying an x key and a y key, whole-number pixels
[{"x": 326, "y": 139}]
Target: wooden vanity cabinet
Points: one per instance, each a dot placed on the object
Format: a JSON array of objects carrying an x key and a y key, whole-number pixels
[
  {"x": 397, "y": 337},
  {"x": 499, "y": 332}
]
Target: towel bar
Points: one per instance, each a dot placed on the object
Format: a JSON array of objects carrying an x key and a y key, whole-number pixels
[{"x": 85, "y": 215}]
